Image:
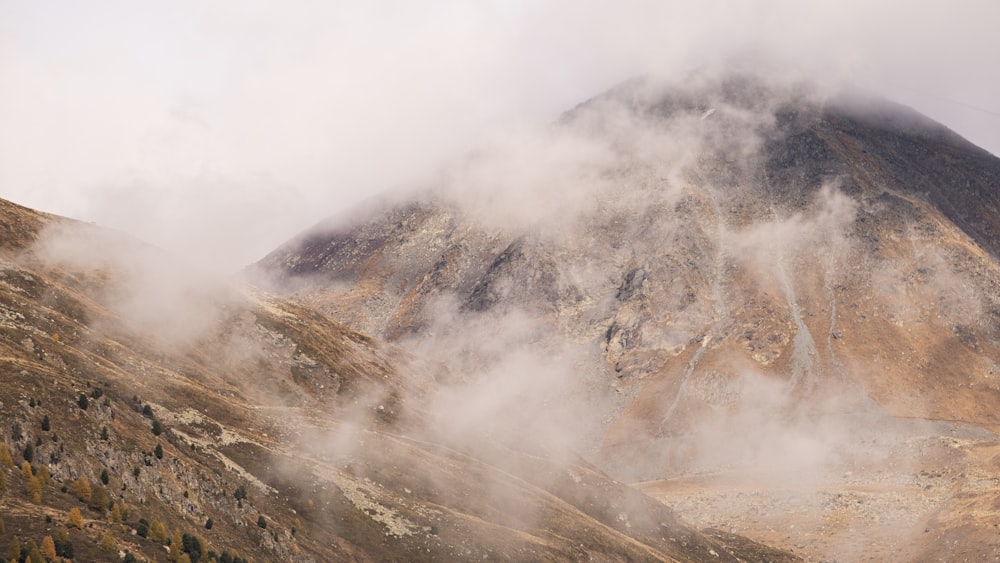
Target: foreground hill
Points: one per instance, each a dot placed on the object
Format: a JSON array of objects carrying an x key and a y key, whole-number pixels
[
  {"x": 151, "y": 414},
  {"x": 748, "y": 291}
]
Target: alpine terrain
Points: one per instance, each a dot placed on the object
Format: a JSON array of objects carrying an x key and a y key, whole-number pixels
[
  {"x": 150, "y": 413},
  {"x": 770, "y": 303}
]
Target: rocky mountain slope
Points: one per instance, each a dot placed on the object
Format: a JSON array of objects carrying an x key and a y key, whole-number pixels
[
  {"x": 770, "y": 301},
  {"x": 151, "y": 414}
]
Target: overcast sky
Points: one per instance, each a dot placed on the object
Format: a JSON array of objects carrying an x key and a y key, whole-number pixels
[{"x": 221, "y": 128}]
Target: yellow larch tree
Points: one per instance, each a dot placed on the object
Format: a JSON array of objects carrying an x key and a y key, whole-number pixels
[
  {"x": 48, "y": 548},
  {"x": 81, "y": 488},
  {"x": 75, "y": 518}
]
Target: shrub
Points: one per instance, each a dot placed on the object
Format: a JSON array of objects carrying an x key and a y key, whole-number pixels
[
  {"x": 104, "y": 433},
  {"x": 83, "y": 402},
  {"x": 208, "y": 524},
  {"x": 261, "y": 521}
]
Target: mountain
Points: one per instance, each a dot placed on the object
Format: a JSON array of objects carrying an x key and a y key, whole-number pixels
[
  {"x": 770, "y": 302},
  {"x": 144, "y": 404}
]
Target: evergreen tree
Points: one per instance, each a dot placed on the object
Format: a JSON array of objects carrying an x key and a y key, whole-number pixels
[
  {"x": 64, "y": 547},
  {"x": 158, "y": 452},
  {"x": 83, "y": 402},
  {"x": 104, "y": 433},
  {"x": 104, "y": 476},
  {"x": 29, "y": 453},
  {"x": 46, "y": 426},
  {"x": 157, "y": 428},
  {"x": 261, "y": 521}
]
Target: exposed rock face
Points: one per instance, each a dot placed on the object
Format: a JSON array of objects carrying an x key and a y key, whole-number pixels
[
  {"x": 763, "y": 267},
  {"x": 248, "y": 424}
]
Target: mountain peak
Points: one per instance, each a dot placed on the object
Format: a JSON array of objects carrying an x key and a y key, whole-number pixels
[{"x": 738, "y": 273}]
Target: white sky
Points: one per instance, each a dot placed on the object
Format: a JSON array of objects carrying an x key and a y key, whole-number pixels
[{"x": 219, "y": 129}]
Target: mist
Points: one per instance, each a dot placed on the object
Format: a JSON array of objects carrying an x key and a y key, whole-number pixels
[
  {"x": 219, "y": 131},
  {"x": 650, "y": 315}
]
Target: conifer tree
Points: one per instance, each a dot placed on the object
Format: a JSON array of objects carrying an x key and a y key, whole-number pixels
[
  {"x": 157, "y": 532},
  {"x": 15, "y": 549},
  {"x": 81, "y": 487},
  {"x": 48, "y": 548},
  {"x": 44, "y": 476},
  {"x": 75, "y": 518},
  {"x": 34, "y": 490},
  {"x": 107, "y": 542},
  {"x": 5, "y": 458},
  {"x": 99, "y": 499},
  {"x": 34, "y": 555}
]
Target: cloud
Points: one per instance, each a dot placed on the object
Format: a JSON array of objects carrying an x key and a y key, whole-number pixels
[{"x": 236, "y": 124}]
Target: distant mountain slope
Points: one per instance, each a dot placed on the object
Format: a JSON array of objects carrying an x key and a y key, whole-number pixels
[
  {"x": 236, "y": 425},
  {"x": 751, "y": 271}
]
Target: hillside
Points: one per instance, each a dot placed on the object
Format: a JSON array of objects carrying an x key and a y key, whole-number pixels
[
  {"x": 144, "y": 405},
  {"x": 770, "y": 302}
]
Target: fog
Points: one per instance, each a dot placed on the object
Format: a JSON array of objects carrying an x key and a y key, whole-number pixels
[
  {"x": 218, "y": 131},
  {"x": 657, "y": 313}
]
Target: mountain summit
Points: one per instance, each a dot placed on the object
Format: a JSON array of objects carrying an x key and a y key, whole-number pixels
[{"x": 736, "y": 282}]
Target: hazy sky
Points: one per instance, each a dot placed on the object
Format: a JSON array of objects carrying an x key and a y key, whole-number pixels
[{"x": 221, "y": 128}]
